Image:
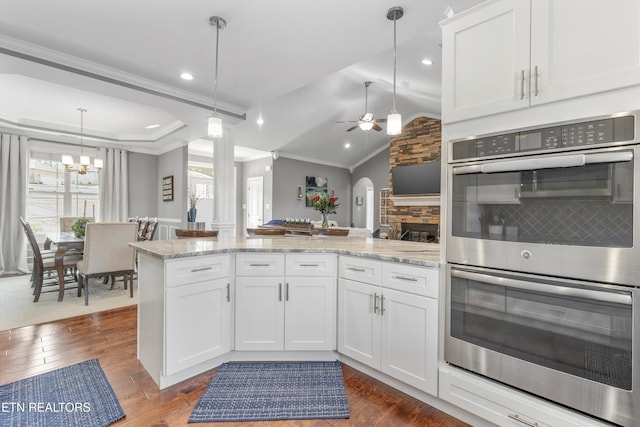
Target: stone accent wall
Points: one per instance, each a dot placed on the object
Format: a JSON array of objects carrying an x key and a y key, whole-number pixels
[{"x": 419, "y": 142}]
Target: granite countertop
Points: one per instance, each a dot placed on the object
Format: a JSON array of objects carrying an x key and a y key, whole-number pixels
[{"x": 416, "y": 253}]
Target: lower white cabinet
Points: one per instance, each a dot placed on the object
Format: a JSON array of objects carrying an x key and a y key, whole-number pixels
[
  {"x": 198, "y": 323},
  {"x": 286, "y": 312},
  {"x": 391, "y": 330}
]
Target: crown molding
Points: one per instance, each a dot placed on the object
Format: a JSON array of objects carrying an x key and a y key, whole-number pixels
[{"x": 48, "y": 57}]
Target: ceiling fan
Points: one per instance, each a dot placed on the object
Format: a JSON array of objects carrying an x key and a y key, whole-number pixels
[{"x": 366, "y": 121}]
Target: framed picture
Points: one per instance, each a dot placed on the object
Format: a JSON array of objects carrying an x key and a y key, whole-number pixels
[
  {"x": 314, "y": 185},
  {"x": 167, "y": 188}
]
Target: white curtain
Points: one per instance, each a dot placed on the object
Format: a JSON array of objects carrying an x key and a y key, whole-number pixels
[
  {"x": 14, "y": 171},
  {"x": 114, "y": 187}
]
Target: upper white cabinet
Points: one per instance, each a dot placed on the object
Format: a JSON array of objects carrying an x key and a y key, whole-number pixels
[{"x": 510, "y": 54}]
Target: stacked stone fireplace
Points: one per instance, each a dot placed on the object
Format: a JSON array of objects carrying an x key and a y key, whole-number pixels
[{"x": 419, "y": 142}]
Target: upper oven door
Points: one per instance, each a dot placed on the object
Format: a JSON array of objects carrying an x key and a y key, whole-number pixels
[{"x": 564, "y": 214}]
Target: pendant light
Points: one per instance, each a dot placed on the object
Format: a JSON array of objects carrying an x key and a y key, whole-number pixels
[
  {"x": 85, "y": 161},
  {"x": 394, "y": 120},
  {"x": 215, "y": 122}
]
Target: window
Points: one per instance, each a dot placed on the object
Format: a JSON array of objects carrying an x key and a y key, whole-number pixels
[{"x": 53, "y": 193}]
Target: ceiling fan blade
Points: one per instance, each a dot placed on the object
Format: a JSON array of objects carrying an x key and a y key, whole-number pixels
[
  {"x": 347, "y": 121},
  {"x": 381, "y": 120},
  {"x": 376, "y": 127},
  {"x": 352, "y": 128}
]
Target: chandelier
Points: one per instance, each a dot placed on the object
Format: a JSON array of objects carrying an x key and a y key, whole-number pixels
[{"x": 85, "y": 161}]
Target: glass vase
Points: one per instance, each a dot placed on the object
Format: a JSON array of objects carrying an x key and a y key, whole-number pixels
[{"x": 325, "y": 220}]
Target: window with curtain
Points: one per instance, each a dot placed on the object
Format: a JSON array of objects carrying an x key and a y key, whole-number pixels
[{"x": 54, "y": 192}]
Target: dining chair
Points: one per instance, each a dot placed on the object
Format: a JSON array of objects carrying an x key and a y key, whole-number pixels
[
  {"x": 47, "y": 252},
  {"x": 107, "y": 253},
  {"x": 143, "y": 226},
  {"x": 152, "y": 227},
  {"x": 42, "y": 265}
]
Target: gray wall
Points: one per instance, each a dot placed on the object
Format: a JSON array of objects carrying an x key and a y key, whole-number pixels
[
  {"x": 377, "y": 170},
  {"x": 173, "y": 163},
  {"x": 289, "y": 173},
  {"x": 143, "y": 185}
]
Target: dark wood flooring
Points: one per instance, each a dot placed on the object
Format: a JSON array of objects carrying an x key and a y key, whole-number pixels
[{"x": 110, "y": 336}]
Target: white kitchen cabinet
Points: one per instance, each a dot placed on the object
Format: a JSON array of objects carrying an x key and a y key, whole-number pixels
[
  {"x": 292, "y": 311},
  {"x": 503, "y": 405},
  {"x": 185, "y": 308},
  {"x": 510, "y": 54},
  {"x": 198, "y": 323},
  {"x": 392, "y": 326}
]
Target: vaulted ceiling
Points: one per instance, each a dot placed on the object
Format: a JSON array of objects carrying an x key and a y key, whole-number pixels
[{"x": 298, "y": 65}]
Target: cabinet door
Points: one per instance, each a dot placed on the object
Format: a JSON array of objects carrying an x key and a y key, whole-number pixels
[
  {"x": 410, "y": 339},
  {"x": 259, "y": 313},
  {"x": 358, "y": 322},
  {"x": 485, "y": 60},
  {"x": 310, "y": 313},
  {"x": 198, "y": 323},
  {"x": 581, "y": 47}
]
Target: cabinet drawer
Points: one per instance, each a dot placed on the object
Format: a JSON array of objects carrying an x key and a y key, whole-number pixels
[
  {"x": 360, "y": 269},
  {"x": 310, "y": 265},
  {"x": 408, "y": 278},
  {"x": 254, "y": 264},
  {"x": 196, "y": 269}
]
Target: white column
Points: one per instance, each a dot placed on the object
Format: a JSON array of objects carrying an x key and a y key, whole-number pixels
[{"x": 224, "y": 218}]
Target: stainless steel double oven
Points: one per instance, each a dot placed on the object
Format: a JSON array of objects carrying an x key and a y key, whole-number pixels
[{"x": 543, "y": 262}]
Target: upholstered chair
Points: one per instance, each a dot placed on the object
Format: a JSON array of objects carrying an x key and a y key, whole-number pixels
[{"x": 107, "y": 253}]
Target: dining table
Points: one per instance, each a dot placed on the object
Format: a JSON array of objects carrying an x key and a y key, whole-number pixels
[{"x": 65, "y": 242}]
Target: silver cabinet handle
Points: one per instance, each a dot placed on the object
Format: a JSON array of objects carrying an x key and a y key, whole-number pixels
[
  {"x": 381, "y": 305},
  {"x": 279, "y": 291},
  {"x": 309, "y": 265},
  {"x": 375, "y": 303},
  {"x": 359, "y": 270},
  {"x": 195, "y": 270},
  {"x": 515, "y": 417},
  {"x": 286, "y": 291},
  {"x": 535, "y": 81},
  {"x": 259, "y": 265},
  {"x": 521, "y": 84},
  {"x": 407, "y": 278},
  {"x": 228, "y": 292}
]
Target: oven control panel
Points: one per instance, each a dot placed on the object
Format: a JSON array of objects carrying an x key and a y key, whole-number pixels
[{"x": 565, "y": 136}]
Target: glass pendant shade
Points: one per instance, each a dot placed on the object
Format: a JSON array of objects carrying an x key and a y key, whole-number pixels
[
  {"x": 394, "y": 124},
  {"x": 98, "y": 164},
  {"x": 67, "y": 161},
  {"x": 85, "y": 161},
  {"x": 215, "y": 127},
  {"x": 365, "y": 125}
]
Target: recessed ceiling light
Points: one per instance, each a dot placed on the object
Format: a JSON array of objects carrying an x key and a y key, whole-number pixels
[
  {"x": 152, "y": 126},
  {"x": 426, "y": 61},
  {"x": 186, "y": 76},
  {"x": 260, "y": 121},
  {"x": 347, "y": 145}
]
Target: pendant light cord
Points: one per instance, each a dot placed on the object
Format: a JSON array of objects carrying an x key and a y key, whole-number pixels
[
  {"x": 215, "y": 82},
  {"x": 394, "y": 64}
]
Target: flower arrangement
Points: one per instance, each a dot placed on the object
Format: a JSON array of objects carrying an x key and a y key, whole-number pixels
[
  {"x": 193, "y": 199},
  {"x": 79, "y": 226},
  {"x": 325, "y": 205}
]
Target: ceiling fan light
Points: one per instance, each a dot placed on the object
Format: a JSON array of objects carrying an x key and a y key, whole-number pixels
[
  {"x": 215, "y": 127},
  {"x": 365, "y": 125},
  {"x": 394, "y": 124}
]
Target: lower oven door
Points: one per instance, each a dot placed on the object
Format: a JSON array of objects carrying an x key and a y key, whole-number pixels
[{"x": 567, "y": 341}]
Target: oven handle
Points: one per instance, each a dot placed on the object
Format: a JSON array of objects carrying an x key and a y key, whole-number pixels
[
  {"x": 568, "y": 161},
  {"x": 590, "y": 294}
]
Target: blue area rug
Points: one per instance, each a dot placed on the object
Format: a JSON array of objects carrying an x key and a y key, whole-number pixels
[
  {"x": 273, "y": 391},
  {"x": 78, "y": 395}
]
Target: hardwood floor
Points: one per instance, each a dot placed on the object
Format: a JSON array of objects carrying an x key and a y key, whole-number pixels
[{"x": 110, "y": 336}]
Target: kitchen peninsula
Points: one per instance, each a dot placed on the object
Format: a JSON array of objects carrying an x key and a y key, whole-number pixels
[{"x": 205, "y": 302}]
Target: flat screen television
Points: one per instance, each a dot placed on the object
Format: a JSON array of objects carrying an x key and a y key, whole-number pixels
[{"x": 423, "y": 178}]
